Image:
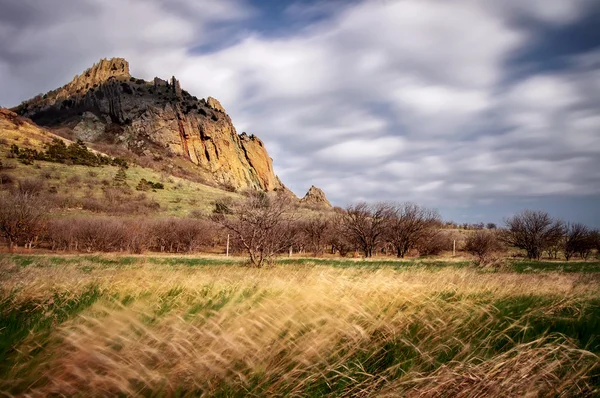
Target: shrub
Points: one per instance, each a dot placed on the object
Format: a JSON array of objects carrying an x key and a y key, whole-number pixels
[
  {"x": 145, "y": 185},
  {"x": 6, "y": 179},
  {"x": 93, "y": 205},
  {"x": 482, "y": 244},
  {"x": 22, "y": 218},
  {"x": 31, "y": 186},
  {"x": 74, "y": 180},
  {"x": 433, "y": 242},
  {"x": 223, "y": 206}
]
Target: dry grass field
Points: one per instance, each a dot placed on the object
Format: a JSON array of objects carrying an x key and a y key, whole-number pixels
[{"x": 184, "y": 326}]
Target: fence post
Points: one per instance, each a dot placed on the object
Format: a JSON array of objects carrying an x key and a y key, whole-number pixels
[{"x": 227, "y": 252}]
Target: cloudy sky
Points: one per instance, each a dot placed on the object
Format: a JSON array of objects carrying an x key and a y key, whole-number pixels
[{"x": 480, "y": 108}]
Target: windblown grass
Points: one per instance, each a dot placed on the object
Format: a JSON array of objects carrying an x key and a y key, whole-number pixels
[{"x": 100, "y": 326}]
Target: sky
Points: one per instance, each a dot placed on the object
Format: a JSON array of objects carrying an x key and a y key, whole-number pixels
[{"x": 479, "y": 108}]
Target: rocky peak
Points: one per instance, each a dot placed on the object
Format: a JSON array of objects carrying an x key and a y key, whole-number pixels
[
  {"x": 99, "y": 73},
  {"x": 214, "y": 104},
  {"x": 156, "y": 119},
  {"x": 315, "y": 196}
]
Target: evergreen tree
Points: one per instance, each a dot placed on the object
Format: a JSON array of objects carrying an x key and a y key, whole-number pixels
[{"x": 120, "y": 178}]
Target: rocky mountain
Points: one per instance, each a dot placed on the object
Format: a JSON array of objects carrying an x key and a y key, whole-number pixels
[
  {"x": 157, "y": 119},
  {"x": 316, "y": 196}
]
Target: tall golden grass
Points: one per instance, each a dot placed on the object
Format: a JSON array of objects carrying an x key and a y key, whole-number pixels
[{"x": 298, "y": 331}]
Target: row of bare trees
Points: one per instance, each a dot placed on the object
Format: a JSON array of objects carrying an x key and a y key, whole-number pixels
[
  {"x": 263, "y": 225},
  {"x": 402, "y": 226},
  {"x": 108, "y": 234},
  {"x": 537, "y": 232}
]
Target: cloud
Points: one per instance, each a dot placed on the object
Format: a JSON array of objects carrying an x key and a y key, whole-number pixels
[
  {"x": 376, "y": 100},
  {"x": 554, "y": 12}
]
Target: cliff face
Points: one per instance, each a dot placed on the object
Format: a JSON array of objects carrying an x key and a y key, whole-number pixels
[{"x": 155, "y": 118}]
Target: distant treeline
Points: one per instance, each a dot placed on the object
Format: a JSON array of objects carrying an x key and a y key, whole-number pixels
[{"x": 264, "y": 225}]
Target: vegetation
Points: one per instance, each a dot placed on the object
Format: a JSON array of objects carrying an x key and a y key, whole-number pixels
[
  {"x": 145, "y": 185},
  {"x": 534, "y": 232},
  {"x": 409, "y": 224},
  {"x": 364, "y": 225},
  {"x": 483, "y": 244},
  {"x": 261, "y": 224},
  {"x": 169, "y": 326},
  {"x": 58, "y": 151},
  {"x": 22, "y": 218},
  {"x": 580, "y": 240}
]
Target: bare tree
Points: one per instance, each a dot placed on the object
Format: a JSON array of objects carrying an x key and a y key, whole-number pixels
[
  {"x": 482, "y": 244},
  {"x": 338, "y": 236},
  {"x": 262, "y": 225},
  {"x": 532, "y": 231},
  {"x": 579, "y": 239},
  {"x": 595, "y": 237},
  {"x": 23, "y": 218},
  {"x": 433, "y": 241},
  {"x": 365, "y": 225},
  {"x": 408, "y": 224},
  {"x": 315, "y": 231}
]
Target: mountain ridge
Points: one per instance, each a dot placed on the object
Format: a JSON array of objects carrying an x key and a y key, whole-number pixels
[{"x": 156, "y": 119}]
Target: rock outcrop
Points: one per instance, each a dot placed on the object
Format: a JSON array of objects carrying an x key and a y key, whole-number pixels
[
  {"x": 155, "y": 119},
  {"x": 315, "y": 197}
]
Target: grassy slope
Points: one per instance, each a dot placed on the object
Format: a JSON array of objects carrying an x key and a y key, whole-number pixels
[
  {"x": 179, "y": 197},
  {"x": 182, "y": 325}
]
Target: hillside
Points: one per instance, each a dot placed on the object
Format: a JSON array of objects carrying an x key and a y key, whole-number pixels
[
  {"x": 84, "y": 188},
  {"x": 91, "y": 189},
  {"x": 158, "y": 122}
]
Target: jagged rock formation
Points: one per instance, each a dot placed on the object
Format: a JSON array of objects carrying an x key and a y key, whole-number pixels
[
  {"x": 157, "y": 119},
  {"x": 315, "y": 196}
]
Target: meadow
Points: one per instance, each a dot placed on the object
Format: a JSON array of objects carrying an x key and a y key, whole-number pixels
[{"x": 97, "y": 325}]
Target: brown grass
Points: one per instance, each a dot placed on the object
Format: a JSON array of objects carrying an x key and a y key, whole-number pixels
[{"x": 295, "y": 330}]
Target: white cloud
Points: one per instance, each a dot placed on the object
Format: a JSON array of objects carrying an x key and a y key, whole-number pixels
[{"x": 366, "y": 151}]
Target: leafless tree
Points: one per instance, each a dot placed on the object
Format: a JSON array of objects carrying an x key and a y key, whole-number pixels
[
  {"x": 595, "y": 236},
  {"x": 578, "y": 240},
  {"x": 23, "y": 218},
  {"x": 433, "y": 241},
  {"x": 262, "y": 225},
  {"x": 366, "y": 224},
  {"x": 408, "y": 224},
  {"x": 338, "y": 237},
  {"x": 533, "y": 231},
  {"x": 315, "y": 230},
  {"x": 482, "y": 244}
]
